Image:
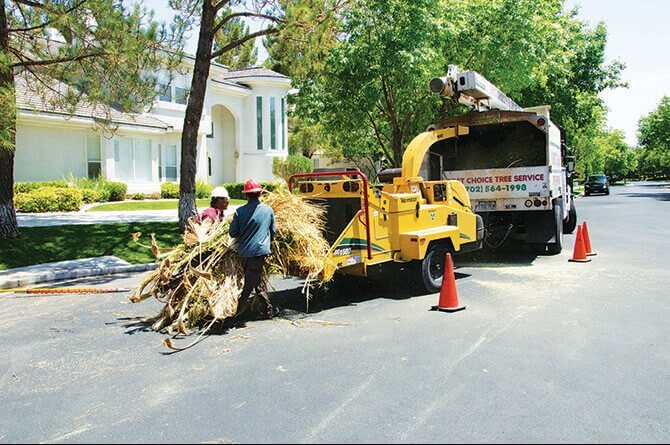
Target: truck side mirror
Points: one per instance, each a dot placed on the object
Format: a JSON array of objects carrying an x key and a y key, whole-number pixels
[{"x": 571, "y": 166}]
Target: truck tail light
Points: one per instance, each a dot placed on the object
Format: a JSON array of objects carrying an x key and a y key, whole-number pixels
[
  {"x": 304, "y": 188},
  {"x": 350, "y": 186},
  {"x": 537, "y": 203},
  {"x": 541, "y": 121}
]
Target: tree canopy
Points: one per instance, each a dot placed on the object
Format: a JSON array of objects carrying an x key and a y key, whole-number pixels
[
  {"x": 386, "y": 51},
  {"x": 654, "y": 140}
]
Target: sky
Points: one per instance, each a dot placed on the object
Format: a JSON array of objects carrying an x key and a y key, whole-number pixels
[{"x": 638, "y": 35}]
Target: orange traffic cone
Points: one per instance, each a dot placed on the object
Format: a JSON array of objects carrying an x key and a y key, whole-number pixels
[
  {"x": 579, "y": 254},
  {"x": 587, "y": 240},
  {"x": 448, "y": 295}
]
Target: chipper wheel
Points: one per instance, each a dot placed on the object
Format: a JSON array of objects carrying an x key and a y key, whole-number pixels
[{"x": 432, "y": 267}]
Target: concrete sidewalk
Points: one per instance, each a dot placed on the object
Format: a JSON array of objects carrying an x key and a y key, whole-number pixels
[
  {"x": 65, "y": 270},
  {"x": 84, "y": 217},
  {"x": 71, "y": 218}
]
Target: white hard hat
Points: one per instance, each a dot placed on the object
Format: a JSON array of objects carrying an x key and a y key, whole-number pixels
[{"x": 220, "y": 192}]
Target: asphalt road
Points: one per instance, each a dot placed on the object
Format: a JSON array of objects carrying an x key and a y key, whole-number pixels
[{"x": 546, "y": 351}]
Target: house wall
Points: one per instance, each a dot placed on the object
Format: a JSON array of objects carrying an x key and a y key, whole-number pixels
[
  {"x": 50, "y": 148},
  {"x": 257, "y": 164},
  {"x": 46, "y": 153}
]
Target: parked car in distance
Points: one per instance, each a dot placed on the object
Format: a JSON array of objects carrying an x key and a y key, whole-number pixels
[{"x": 596, "y": 184}]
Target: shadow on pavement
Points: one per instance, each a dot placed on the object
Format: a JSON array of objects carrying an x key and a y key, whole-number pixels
[
  {"x": 394, "y": 281},
  {"x": 661, "y": 196},
  {"x": 510, "y": 254}
]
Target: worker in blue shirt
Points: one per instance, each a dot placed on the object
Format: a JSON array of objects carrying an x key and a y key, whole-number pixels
[{"x": 254, "y": 227}]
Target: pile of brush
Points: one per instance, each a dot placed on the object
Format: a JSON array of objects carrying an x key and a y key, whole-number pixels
[{"x": 199, "y": 281}]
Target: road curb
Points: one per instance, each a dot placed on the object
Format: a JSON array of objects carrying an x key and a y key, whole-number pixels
[{"x": 70, "y": 274}]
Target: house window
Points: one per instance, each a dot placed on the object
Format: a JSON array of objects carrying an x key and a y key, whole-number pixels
[
  {"x": 132, "y": 159},
  {"x": 209, "y": 166},
  {"x": 181, "y": 95},
  {"x": 167, "y": 162},
  {"x": 283, "y": 122},
  {"x": 93, "y": 157},
  {"x": 164, "y": 92},
  {"x": 173, "y": 88},
  {"x": 259, "y": 122},
  {"x": 273, "y": 124}
]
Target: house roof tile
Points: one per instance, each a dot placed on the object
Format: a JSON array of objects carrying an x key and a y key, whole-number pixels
[
  {"x": 29, "y": 100},
  {"x": 251, "y": 72}
]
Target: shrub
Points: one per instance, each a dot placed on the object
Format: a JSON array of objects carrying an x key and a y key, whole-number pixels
[
  {"x": 49, "y": 199},
  {"x": 89, "y": 195},
  {"x": 235, "y": 188},
  {"x": 138, "y": 196},
  {"x": 169, "y": 190},
  {"x": 284, "y": 168},
  {"x": 203, "y": 189},
  {"x": 154, "y": 195},
  {"x": 25, "y": 187},
  {"x": 103, "y": 195},
  {"x": 117, "y": 190}
]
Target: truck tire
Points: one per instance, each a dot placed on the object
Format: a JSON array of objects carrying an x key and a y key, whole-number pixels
[
  {"x": 557, "y": 246},
  {"x": 432, "y": 267},
  {"x": 570, "y": 223}
]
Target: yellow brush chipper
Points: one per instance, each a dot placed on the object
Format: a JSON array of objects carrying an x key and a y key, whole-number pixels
[{"x": 403, "y": 219}]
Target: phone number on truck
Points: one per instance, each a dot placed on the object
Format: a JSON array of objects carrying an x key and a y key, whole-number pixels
[{"x": 496, "y": 188}]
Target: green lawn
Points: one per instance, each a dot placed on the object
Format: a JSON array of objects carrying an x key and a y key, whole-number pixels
[
  {"x": 59, "y": 243},
  {"x": 152, "y": 205}
]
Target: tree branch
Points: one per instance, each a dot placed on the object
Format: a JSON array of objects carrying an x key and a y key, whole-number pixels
[
  {"x": 221, "y": 4},
  {"x": 29, "y": 62},
  {"x": 379, "y": 136},
  {"x": 30, "y": 3},
  {"x": 230, "y": 17},
  {"x": 242, "y": 41},
  {"x": 45, "y": 24}
]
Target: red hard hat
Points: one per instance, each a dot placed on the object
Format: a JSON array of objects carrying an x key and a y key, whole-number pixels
[{"x": 252, "y": 186}]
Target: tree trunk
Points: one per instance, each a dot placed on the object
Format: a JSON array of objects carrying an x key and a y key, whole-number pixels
[
  {"x": 8, "y": 226},
  {"x": 196, "y": 99}
]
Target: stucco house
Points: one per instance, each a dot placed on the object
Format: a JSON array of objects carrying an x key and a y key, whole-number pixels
[{"x": 243, "y": 127}]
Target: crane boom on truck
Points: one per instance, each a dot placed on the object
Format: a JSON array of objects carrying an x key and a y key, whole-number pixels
[{"x": 513, "y": 163}]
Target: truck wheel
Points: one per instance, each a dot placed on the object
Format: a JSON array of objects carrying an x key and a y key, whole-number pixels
[
  {"x": 432, "y": 267},
  {"x": 570, "y": 224},
  {"x": 557, "y": 246}
]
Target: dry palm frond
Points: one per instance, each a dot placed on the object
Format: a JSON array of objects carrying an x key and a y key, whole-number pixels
[{"x": 200, "y": 280}]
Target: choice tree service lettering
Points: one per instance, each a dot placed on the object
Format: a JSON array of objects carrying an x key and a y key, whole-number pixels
[{"x": 495, "y": 183}]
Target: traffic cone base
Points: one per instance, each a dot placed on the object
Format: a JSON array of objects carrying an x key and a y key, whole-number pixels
[
  {"x": 587, "y": 240},
  {"x": 448, "y": 309},
  {"x": 585, "y": 260},
  {"x": 448, "y": 295}
]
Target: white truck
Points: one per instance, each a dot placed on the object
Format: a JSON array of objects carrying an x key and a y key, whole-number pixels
[{"x": 512, "y": 162}]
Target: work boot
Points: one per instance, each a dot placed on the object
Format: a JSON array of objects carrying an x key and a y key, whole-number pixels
[{"x": 270, "y": 312}]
